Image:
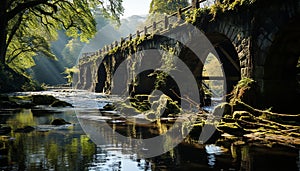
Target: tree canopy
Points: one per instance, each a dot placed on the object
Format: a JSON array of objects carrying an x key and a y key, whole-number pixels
[
  {"x": 28, "y": 26},
  {"x": 167, "y": 6}
]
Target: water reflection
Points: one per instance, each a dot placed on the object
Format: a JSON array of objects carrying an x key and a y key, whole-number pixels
[
  {"x": 69, "y": 148},
  {"x": 58, "y": 149}
]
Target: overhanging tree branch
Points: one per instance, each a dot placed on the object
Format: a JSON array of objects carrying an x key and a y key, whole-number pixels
[
  {"x": 14, "y": 29},
  {"x": 23, "y": 6}
]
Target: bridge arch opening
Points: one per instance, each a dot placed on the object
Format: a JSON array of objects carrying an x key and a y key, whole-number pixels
[
  {"x": 101, "y": 75},
  {"x": 214, "y": 75},
  {"x": 228, "y": 60},
  {"x": 281, "y": 86}
]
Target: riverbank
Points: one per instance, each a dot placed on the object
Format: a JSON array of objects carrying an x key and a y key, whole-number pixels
[{"x": 224, "y": 150}]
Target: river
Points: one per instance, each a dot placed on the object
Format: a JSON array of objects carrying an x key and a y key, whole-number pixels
[{"x": 68, "y": 147}]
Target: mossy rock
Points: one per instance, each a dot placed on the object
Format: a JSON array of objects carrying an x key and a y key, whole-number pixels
[
  {"x": 222, "y": 109},
  {"x": 109, "y": 107},
  {"x": 241, "y": 106},
  {"x": 25, "y": 129},
  {"x": 59, "y": 103},
  {"x": 240, "y": 114},
  {"x": 231, "y": 128},
  {"x": 59, "y": 121},
  {"x": 43, "y": 99},
  {"x": 245, "y": 91},
  {"x": 228, "y": 119},
  {"x": 26, "y": 105}
]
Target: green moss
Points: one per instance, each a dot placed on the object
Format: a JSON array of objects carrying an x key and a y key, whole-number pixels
[
  {"x": 240, "y": 89},
  {"x": 231, "y": 128},
  {"x": 43, "y": 99},
  {"x": 228, "y": 5},
  {"x": 192, "y": 15},
  {"x": 20, "y": 98},
  {"x": 70, "y": 72},
  {"x": 223, "y": 109},
  {"x": 240, "y": 114},
  {"x": 215, "y": 9}
]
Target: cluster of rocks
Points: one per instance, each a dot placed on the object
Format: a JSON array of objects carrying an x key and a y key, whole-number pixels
[
  {"x": 264, "y": 126},
  {"x": 13, "y": 102}
]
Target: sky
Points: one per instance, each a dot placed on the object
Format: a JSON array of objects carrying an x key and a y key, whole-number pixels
[
  {"x": 135, "y": 7},
  {"x": 140, "y": 7}
]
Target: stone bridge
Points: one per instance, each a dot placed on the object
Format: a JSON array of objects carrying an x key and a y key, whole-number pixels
[{"x": 259, "y": 39}]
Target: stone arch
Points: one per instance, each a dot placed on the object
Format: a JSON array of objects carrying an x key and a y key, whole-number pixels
[
  {"x": 280, "y": 86},
  {"x": 228, "y": 57},
  {"x": 101, "y": 77}
]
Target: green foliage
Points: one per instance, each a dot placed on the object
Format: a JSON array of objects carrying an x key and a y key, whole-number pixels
[
  {"x": 166, "y": 6},
  {"x": 71, "y": 52},
  {"x": 214, "y": 9},
  {"x": 228, "y": 5},
  {"x": 240, "y": 89},
  {"x": 70, "y": 72},
  {"x": 192, "y": 15},
  {"x": 28, "y": 27},
  {"x": 13, "y": 81},
  {"x": 168, "y": 61}
]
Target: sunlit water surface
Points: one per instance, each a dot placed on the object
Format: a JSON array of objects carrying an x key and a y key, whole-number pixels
[{"x": 67, "y": 147}]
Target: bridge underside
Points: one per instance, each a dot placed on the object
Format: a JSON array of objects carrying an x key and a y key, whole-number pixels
[{"x": 281, "y": 86}]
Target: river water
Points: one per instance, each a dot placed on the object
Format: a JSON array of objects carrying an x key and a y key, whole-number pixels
[{"x": 68, "y": 147}]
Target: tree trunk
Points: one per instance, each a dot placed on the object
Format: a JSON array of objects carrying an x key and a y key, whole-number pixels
[{"x": 3, "y": 31}]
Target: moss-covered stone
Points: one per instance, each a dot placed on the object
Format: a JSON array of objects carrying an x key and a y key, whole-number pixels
[
  {"x": 231, "y": 128},
  {"x": 59, "y": 121},
  {"x": 245, "y": 91},
  {"x": 59, "y": 103},
  {"x": 222, "y": 109},
  {"x": 25, "y": 129},
  {"x": 109, "y": 107},
  {"x": 43, "y": 99},
  {"x": 240, "y": 114}
]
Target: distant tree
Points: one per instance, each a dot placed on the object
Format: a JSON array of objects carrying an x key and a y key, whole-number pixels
[
  {"x": 28, "y": 26},
  {"x": 166, "y": 6}
]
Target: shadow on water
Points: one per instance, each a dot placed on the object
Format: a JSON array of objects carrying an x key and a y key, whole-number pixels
[{"x": 69, "y": 148}]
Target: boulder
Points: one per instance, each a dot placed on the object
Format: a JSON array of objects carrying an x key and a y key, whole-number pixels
[
  {"x": 59, "y": 103},
  {"x": 25, "y": 129},
  {"x": 59, "y": 121},
  {"x": 222, "y": 109},
  {"x": 43, "y": 99},
  {"x": 109, "y": 107}
]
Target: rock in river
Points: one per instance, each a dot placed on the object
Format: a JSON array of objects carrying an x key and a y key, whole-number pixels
[
  {"x": 59, "y": 103},
  {"x": 59, "y": 121},
  {"x": 25, "y": 129},
  {"x": 43, "y": 99}
]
